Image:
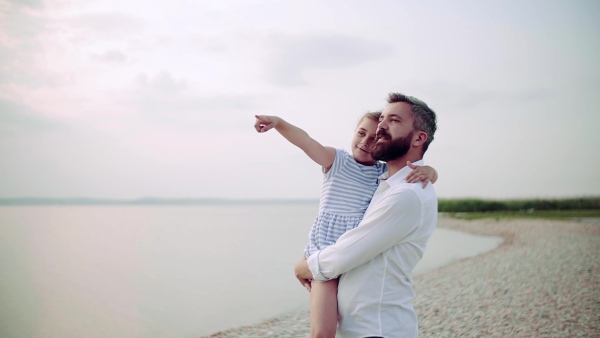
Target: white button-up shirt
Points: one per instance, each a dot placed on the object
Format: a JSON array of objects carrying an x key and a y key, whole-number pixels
[{"x": 377, "y": 258}]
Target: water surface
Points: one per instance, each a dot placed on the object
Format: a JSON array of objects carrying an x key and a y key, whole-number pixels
[{"x": 162, "y": 271}]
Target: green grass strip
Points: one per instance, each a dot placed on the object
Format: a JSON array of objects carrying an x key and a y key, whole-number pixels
[{"x": 536, "y": 214}]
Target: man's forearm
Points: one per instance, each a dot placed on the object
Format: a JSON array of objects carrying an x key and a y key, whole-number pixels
[{"x": 387, "y": 224}]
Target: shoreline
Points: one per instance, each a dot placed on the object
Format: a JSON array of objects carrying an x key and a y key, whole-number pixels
[{"x": 543, "y": 280}]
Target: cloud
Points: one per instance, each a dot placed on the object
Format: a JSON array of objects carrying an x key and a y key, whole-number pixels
[
  {"x": 163, "y": 84},
  {"x": 103, "y": 26},
  {"x": 19, "y": 22},
  {"x": 28, "y": 3},
  {"x": 111, "y": 55},
  {"x": 469, "y": 98},
  {"x": 477, "y": 98},
  {"x": 20, "y": 30},
  {"x": 164, "y": 98},
  {"x": 14, "y": 115},
  {"x": 18, "y": 66},
  {"x": 295, "y": 55},
  {"x": 207, "y": 44}
]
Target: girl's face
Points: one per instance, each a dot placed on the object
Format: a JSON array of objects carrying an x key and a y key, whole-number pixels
[{"x": 363, "y": 141}]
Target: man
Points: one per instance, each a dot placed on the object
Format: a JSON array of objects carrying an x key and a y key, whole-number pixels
[{"x": 375, "y": 260}]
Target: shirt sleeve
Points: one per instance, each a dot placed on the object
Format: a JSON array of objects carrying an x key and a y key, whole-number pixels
[{"x": 391, "y": 221}]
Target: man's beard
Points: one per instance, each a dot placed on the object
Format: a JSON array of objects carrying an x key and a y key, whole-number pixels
[{"x": 392, "y": 149}]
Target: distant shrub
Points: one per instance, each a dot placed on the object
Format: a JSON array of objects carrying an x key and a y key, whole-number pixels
[{"x": 483, "y": 205}]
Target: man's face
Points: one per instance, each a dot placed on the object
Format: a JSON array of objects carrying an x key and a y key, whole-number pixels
[{"x": 394, "y": 133}]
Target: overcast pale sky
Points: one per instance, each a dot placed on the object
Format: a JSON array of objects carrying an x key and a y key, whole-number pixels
[{"x": 127, "y": 99}]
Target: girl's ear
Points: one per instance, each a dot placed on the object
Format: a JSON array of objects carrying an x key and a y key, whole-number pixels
[{"x": 420, "y": 138}]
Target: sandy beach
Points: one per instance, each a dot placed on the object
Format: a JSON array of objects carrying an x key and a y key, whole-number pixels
[{"x": 543, "y": 281}]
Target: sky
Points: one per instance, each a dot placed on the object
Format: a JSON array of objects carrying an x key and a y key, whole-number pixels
[{"x": 128, "y": 99}]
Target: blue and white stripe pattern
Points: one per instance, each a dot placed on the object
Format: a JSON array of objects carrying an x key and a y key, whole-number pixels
[{"x": 345, "y": 195}]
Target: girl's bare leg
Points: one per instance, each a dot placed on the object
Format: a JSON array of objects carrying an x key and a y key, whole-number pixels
[{"x": 323, "y": 309}]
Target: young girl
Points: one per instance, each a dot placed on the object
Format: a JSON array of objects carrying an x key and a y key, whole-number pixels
[{"x": 348, "y": 185}]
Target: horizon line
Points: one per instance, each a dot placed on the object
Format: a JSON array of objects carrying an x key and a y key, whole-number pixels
[
  {"x": 8, "y": 201},
  {"x": 144, "y": 201}
]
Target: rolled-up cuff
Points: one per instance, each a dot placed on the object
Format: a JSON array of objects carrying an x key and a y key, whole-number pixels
[{"x": 313, "y": 266}]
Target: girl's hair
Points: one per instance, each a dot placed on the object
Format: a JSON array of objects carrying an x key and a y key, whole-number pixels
[{"x": 373, "y": 115}]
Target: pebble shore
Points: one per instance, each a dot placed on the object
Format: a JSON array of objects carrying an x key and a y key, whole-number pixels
[{"x": 543, "y": 281}]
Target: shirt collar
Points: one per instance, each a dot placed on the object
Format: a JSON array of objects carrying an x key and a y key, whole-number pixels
[{"x": 399, "y": 176}]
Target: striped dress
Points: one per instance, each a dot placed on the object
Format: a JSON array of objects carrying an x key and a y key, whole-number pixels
[{"x": 345, "y": 195}]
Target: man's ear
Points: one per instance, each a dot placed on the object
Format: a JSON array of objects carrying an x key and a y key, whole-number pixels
[{"x": 419, "y": 138}]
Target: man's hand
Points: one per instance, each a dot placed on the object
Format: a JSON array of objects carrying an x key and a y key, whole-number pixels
[
  {"x": 303, "y": 273},
  {"x": 265, "y": 122}
]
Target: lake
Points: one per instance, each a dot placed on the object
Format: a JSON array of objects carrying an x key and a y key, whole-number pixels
[{"x": 162, "y": 271}]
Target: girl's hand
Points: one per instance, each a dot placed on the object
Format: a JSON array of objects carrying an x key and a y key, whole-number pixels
[
  {"x": 303, "y": 273},
  {"x": 264, "y": 122},
  {"x": 421, "y": 174}
]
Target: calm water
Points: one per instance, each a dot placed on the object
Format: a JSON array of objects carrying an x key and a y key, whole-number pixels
[{"x": 151, "y": 271}]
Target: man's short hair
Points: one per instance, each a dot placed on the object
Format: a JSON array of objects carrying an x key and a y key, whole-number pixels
[{"x": 424, "y": 117}]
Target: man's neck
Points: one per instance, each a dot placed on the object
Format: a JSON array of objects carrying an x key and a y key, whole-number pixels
[{"x": 396, "y": 165}]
